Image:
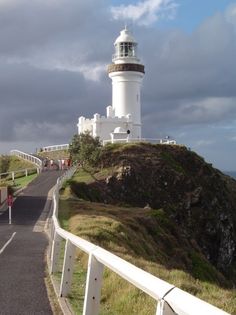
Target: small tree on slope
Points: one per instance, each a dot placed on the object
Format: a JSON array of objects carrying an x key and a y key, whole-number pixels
[{"x": 85, "y": 149}]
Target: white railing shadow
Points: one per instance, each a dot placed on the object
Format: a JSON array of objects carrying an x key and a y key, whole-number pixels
[{"x": 170, "y": 300}]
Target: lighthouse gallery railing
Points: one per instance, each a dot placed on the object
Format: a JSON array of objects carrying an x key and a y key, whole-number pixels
[{"x": 170, "y": 300}]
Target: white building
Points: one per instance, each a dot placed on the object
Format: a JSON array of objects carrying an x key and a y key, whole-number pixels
[{"x": 123, "y": 118}]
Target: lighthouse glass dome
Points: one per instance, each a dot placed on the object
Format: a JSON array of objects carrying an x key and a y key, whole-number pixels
[
  {"x": 125, "y": 49},
  {"x": 125, "y": 46}
]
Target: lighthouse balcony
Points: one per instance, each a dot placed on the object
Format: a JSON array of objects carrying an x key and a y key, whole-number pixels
[
  {"x": 126, "y": 67},
  {"x": 123, "y": 58}
]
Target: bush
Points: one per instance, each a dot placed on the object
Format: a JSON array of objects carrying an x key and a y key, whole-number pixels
[{"x": 85, "y": 149}]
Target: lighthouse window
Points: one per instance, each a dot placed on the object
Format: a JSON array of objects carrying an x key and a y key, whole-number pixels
[{"x": 127, "y": 50}]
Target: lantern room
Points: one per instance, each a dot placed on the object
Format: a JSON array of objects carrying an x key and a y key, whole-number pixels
[{"x": 125, "y": 48}]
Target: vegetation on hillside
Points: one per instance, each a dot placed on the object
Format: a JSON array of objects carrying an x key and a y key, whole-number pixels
[
  {"x": 85, "y": 149},
  {"x": 55, "y": 155},
  {"x": 165, "y": 210},
  {"x": 147, "y": 239}
]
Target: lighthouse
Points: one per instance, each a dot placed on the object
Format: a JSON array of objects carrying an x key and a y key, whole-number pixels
[
  {"x": 126, "y": 73},
  {"x": 123, "y": 118}
]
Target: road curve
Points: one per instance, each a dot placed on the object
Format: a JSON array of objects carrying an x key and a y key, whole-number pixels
[{"x": 22, "y": 251}]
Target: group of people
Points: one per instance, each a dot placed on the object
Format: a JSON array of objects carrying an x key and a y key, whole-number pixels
[{"x": 60, "y": 164}]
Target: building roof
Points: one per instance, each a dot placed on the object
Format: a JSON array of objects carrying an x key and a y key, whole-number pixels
[{"x": 125, "y": 37}]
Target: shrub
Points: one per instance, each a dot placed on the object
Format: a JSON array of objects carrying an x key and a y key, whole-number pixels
[{"x": 85, "y": 149}]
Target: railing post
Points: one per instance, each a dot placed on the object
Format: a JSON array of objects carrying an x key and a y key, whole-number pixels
[
  {"x": 93, "y": 286},
  {"x": 164, "y": 309},
  {"x": 67, "y": 271},
  {"x": 26, "y": 172},
  {"x": 55, "y": 254},
  {"x": 51, "y": 234},
  {"x": 13, "y": 176}
]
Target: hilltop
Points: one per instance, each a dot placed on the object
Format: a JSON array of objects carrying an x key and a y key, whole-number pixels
[{"x": 163, "y": 208}]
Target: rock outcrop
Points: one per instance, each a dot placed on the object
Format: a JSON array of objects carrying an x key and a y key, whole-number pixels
[{"x": 197, "y": 197}]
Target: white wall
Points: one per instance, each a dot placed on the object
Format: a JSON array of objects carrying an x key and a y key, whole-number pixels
[
  {"x": 103, "y": 126},
  {"x": 126, "y": 86}
]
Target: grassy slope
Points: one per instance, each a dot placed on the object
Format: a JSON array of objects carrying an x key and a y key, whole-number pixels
[
  {"x": 147, "y": 239},
  {"x": 55, "y": 155},
  {"x": 19, "y": 164}
]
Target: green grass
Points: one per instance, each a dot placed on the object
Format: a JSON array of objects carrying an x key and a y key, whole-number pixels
[
  {"x": 124, "y": 231},
  {"x": 18, "y": 183},
  {"x": 24, "y": 181},
  {"x": 19, "y": 164},
  {"x": 55, "y": 154},
  {"x": 166, "y": 156}
]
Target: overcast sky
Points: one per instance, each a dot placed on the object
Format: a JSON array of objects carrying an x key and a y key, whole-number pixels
[{"x": 54, "y": 55}]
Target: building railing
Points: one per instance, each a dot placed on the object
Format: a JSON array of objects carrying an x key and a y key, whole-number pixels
[
  {"x": 133, "y": 140},
  {"x": 28, "y": 157},
  {"x": 170, "y": 300},
  {"x": 56, "y": 147},
  {"x": 65, "y": 146}
]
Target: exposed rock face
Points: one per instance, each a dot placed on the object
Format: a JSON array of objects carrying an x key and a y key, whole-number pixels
[{"x": 199, "y": 198}]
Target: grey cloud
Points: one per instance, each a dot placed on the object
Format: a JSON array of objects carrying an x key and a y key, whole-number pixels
[
  {"x": 188, "y": 69},
  {"x": 48, "y": 47},
  {"x": 40, "y": 99}
]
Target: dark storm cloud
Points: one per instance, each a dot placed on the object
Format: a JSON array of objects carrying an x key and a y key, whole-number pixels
[{"x": 35, "y": 97}]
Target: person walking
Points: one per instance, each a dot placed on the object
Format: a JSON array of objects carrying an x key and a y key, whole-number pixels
[{"x": 51, "y": 164}]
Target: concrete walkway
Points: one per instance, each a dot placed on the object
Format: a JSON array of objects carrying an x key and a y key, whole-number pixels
[{"x": 22, "y": 251}]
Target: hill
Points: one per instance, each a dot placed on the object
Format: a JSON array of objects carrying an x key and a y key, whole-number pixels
[
  {"x": 55, "y": 155},
  {"x": 164, "y": 209}
]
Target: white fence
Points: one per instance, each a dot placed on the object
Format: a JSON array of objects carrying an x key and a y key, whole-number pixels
[
  {"x": 170, "y": 300},
  {"x": 24, "y": 172},
  {"x": 27, "y": 157},
  {"x": 133, "y": 140},
  {"x": 56, "y": 147},
  {"x": 65, "y": 146}
]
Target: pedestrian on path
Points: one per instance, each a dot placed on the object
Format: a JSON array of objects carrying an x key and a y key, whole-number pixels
[{"x": 51, "y": 164}]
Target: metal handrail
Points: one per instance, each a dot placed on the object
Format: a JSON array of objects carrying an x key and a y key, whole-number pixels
[
  {"x": 134, "y": 140},
  {"x": 170, "y": 300},
  {"x": 56, "y": 147}
]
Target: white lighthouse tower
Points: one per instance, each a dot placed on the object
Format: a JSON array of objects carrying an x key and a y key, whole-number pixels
[
  {"x": 126, "y": 73},
  {"x": 123, "y": 119}
]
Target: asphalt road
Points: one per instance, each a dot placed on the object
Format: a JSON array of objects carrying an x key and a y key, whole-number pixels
[{"x": 22, "y": 251}]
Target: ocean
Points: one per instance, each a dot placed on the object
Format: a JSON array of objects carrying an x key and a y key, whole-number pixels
[{"x": 232, "y": 174}]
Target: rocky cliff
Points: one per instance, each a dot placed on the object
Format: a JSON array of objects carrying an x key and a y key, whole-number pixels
[{"x": 196, "y": 197}]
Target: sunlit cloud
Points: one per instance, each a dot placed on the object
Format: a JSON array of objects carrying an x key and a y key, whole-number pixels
[{"x": 145, "y": 12}]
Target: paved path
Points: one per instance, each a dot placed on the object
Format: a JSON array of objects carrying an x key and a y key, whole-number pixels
[{"x": 22, "y": 251}]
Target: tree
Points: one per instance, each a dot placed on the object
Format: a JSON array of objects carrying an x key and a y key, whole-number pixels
[{"x": 85, "y": 149}]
